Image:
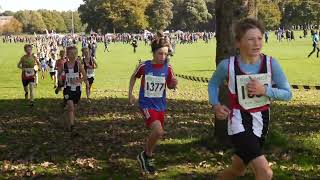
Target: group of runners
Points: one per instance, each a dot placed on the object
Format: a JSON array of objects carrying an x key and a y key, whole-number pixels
[
  {"x": 254, "y": 80},
  {"x": 68, "y": 72}
]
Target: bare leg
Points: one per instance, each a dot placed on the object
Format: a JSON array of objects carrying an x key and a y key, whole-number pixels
[
  {"x": 31, "y": 87},
  {"x": 25, "y": 88},
  {"x": 261, "y": 168},
  {"x": 156, "y": 134},
  {"x": 71, "y": 114},
  {"x": 237, "y": 168}
]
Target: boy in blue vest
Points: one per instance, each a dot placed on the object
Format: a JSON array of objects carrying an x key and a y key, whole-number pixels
[{"x": 156, "y": 75}]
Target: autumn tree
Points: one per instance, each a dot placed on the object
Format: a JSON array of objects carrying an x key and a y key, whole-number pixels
[
  {"x": 12, "y": 27},
  {"x": 119, "y": 15}
]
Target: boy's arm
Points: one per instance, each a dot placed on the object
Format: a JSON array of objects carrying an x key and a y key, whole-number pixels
[
  {"x": 172, "y": 82},
  {"x": 19, "y": 65},
  {"x": 84, "y": 74},
  {"x": 131, "y": 84},
  {"x": 136, "y": 74},
  {"x": 95, "y": 65}
]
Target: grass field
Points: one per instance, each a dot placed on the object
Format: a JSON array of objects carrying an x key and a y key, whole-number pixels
[{"x": 33, "y": 143}]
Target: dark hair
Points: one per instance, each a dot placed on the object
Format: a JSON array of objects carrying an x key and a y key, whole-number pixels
[
  {"x": 27, "y": 46},
  {"x": 160, "y": 34},
  {"x": 159, "y": 42},
  {"x": 62, "y": 52},
  {"x": 69, "y": 48},
  {"x": 244, "y": 25},
  {"x": 84, "y": 49}
]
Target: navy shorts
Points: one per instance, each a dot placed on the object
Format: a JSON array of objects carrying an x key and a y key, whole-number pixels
[
  {"x": 71, "y": 95},
  {"x": 26, "y": 82}
]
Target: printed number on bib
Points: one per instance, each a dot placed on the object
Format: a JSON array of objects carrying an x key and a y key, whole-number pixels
[
  {"x": 29, "y": 72},
  {"x": 71, "y": 78},
  {"x": 154, "y": 86},
  {"x": 90, "y": 73},
  {"x": 247, "y": 101}
]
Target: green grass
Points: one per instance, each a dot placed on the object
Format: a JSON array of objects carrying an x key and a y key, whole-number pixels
[{"x": 33, "y": 143}]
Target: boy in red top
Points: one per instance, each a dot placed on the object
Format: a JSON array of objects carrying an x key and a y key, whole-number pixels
[{"x": 155, "y": 75}]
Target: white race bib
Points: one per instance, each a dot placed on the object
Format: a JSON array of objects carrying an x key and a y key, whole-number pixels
[
  {"x": 154, "y": 86},
  {"x": 71, "y": 80},
  {"x": 29, "y": 72},
  {"x": 250, "y": 102},
  {"x": 90, "y": 73}
]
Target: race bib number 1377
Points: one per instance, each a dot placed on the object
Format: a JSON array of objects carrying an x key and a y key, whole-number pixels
[
  {"x": 247, "y": 101},
  {"x": 154, "y": 86}
]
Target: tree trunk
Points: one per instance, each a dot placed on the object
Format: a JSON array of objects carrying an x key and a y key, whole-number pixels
[{"x": 228, "y": 12}]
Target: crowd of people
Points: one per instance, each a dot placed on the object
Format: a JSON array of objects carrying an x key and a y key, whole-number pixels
[{"x": 249, "y": 75}]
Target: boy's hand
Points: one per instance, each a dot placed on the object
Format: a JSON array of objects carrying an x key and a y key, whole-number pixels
[
  {"x": 255, "y": 88},
  {"x": 173, "y": 84},
  {"x": 221, "y": 111},
  {"x": 77, "y": 81}
]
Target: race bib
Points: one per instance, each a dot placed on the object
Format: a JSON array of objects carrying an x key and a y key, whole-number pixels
[
  {"x": 29, "y": 72},
  {"x": 71, "y": 79},
  {"x": 154, "y": 86},
  {"x": 90, "y": 73},
  {"x": 250, "y": 102}
]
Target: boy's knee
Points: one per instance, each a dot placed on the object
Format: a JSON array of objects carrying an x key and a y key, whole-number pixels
[
  {"x": 268, "y": 173},
  {"x": 239, "y": 172},
  {"x": 265, "y": 172},
  {"x": 70, "y": 108},
  {"x": 159, "y": 132}
]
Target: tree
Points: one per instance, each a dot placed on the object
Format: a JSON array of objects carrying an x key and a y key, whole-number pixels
[
  {"x": 269, "y": 14},
  {"x": 196, "y": 12},
  {"x": 48, "y": 19},
  {"x": 210, "y": 25},
  {"x": 160, "y": 14},
  {"x": 23, "y": 17},
  {"x": 31, "y": 20},
  {"x": 36, "y": 23},
  {"x": 300, "y": 12},
  {"x": 95, "y": 16},
  {"x": 67, "y": 17},
  {"x": 120, "y": 15},
  {"x": 53, "y": 20},
  {"x": 60, "y": 25},
  {"x": 178, "y": 21},
  {"x": 289, "y": 13},
  {"x": 7, "y": 13},
  {"x": 228, "y": 12},
  {"x": 12, "y": 27}
]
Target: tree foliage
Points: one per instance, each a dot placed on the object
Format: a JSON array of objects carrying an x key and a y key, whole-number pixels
[
  {"x": 269, "y": 13},
  {"x": 12, "y": 27},
  {"x": 160, "y": 14}
]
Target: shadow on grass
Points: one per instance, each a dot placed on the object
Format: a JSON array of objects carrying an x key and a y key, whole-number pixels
[{"x": 111, "y": 133}]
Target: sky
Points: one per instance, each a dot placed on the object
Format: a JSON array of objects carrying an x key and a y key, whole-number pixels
[{"x": 59, "y": 5}]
